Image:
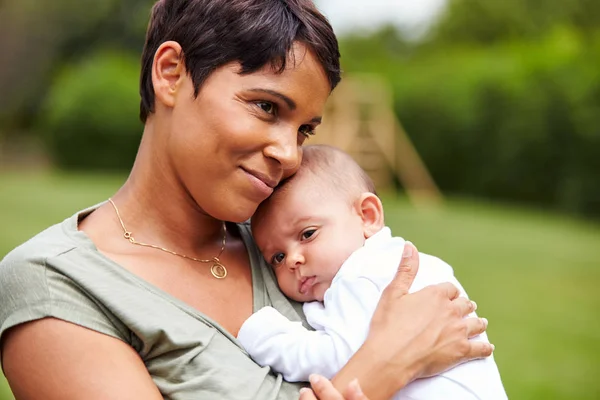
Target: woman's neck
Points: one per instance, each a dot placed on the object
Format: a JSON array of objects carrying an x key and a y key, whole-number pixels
[{"x": 156, "y": 207}]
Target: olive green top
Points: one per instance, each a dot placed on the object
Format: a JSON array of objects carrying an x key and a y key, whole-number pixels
[{"x": 60, "y": 273}]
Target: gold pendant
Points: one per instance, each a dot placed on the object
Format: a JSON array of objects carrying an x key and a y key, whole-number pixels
[{"x": 218, "y": 270}]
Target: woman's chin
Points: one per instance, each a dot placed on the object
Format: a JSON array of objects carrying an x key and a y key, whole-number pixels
[
  {"x": 241, "y": 214},
  {"x": 231, "y": 209},
  {"x": 238, "y": 220}
]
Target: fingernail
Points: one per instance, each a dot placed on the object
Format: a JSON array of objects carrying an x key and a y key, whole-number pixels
[
  {"x": 304, "y": 390},
  {"x": 314, "y": 379},
  {"x": 355, "y": 387},
  {"x": 407, "y": 252},
  {"x": 474, "y": 305},
  {"x": 485, "y": 322},
  {"x": 493, "y": 347}
]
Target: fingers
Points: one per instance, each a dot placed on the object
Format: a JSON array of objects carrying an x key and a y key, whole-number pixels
[
  {"x": 307, "y": 394},
  {"x": 464, "y": 306},
  {"x": 450, "y": 290},
  {"x": 475, "y": 326},
  {"x": 479, "y": 350},
  {"x": 323, "y": 389},
  {"x": 407, "y": 270}
]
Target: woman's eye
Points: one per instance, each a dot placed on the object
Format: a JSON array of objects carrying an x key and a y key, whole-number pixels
[
  {"x": 308, "y": 234},
  {"x": 307, "y": 130},
  {"x": 277, "y": 259},
  {"x": 267, "y": 107}
]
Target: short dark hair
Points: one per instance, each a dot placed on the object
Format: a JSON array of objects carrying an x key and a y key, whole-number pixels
[{"x": 252, "y": 32}]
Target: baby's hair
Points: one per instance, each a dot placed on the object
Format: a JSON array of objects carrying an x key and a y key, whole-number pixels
[
  {"x": 330, "y": 167},
  {"x": 334, "y": 168}
]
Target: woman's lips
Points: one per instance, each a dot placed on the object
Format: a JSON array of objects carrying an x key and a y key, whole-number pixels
[
  {"x": 261, "y": 186},
  {"x": 306, "y": 283}
]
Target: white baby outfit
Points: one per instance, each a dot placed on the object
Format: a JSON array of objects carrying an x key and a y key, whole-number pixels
[{"x": 342, "y": 321}]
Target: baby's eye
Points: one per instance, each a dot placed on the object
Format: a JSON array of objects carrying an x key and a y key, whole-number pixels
[
  {"x": 307, "y": 234},
  {"x": 277, "y": 259},
  {"x": 266, "y": 106}
]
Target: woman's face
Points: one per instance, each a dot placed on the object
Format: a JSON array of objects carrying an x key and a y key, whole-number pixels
[{"x": 243, "y": 133}]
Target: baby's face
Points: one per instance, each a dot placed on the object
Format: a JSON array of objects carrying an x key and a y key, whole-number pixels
[{"x": 306, "y": 234}]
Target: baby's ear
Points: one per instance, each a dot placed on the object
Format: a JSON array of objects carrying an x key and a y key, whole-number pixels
[{"x": 370, "y": 210}]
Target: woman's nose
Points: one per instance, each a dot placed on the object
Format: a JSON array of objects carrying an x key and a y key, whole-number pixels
[{"x": 285, "y": 150}]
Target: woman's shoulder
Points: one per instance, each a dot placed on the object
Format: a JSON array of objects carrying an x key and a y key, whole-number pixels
[
  {"x": 38, "y": 280},
  {"x": 53, "y": 241},
  {"x": 28, "y": 259}
]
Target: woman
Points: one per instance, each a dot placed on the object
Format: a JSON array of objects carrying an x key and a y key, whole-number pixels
[{"x": 141, "y": 297}]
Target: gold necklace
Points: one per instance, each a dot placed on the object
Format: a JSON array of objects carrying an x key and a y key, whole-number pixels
[{"x": 217, "y": 269}]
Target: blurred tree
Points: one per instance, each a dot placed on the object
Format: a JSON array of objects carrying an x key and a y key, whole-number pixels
[
  {"x": 484, "y": 22},
  {"x": 90, "y": 118},
  {"x": 36, "y": 38},
  {"x": 501, "y": 98}
]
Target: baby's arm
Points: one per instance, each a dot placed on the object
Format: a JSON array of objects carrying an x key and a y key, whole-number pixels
[{"x": 296, "y": 352}]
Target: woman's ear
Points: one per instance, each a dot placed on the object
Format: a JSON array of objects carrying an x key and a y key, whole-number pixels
[
  {"x": 168, "y": 70},
  {"x": 370, "y": 210}
]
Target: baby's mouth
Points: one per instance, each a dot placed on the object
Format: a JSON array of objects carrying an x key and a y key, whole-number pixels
[{"x": 306, "y": 283}]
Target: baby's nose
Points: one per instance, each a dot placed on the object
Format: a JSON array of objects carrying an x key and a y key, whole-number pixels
[{"x": 295, "y": 260}]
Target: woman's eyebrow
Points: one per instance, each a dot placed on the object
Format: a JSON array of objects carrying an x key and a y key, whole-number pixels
[{"x": 290, "y": 103}]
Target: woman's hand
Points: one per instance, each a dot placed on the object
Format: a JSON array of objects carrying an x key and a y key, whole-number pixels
[
  {"x": 431, "y": 322},
  {"x": 322, "y": 389},
  {"x": 414, "y": 335}
]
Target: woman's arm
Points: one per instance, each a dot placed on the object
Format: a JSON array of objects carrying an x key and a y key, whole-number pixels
[
  {"x": 53, "y": 359},
  {"x": 413, "y": 335}
]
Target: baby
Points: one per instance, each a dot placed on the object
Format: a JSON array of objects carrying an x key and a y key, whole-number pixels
[{"x": 324, "y": 235}]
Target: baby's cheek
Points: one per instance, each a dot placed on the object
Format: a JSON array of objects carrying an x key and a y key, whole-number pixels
[
  {"x": 289, "y": 289},
  {"x": 321, "y": 288}
]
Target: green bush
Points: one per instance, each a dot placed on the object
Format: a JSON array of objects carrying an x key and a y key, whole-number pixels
[
  {"x": 518, "y": 120},
  {"x": 90, "y": 118}
]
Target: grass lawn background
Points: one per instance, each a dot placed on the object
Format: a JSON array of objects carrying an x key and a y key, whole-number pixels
[{"x": 534, "y": 274}]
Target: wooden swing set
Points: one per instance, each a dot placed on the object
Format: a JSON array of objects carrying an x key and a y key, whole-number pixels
[{"x": 360, "y": 120}]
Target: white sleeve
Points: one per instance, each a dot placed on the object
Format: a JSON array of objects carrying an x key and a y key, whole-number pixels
[
  {"x": 287, "y": 347},
  {"x": 350, "y": 304},
  {"x": 296, "y": 352}
]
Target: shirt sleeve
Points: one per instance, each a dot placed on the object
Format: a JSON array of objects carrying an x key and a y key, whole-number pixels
[
  {"x": 30, "y": 289},
  {"x": 297, "y": 352}
]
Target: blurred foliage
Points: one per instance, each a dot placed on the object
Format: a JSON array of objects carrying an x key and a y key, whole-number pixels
[
  {"x": 38, "y": 38},
  {"x": 486, "y": 22},
  {"x": 514, "y": 121},
  {"x": 500, "y": 101},
  {"x": 90, "y": 119},
  {"x": 501, "y": 98}
]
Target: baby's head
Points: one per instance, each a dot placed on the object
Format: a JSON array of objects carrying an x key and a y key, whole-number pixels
[{"x": 314, "y": 220}]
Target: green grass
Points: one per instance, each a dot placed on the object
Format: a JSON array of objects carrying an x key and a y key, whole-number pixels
[
  {"x": 534, "y": 275},
  {"x": 5, "y": 393}
]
